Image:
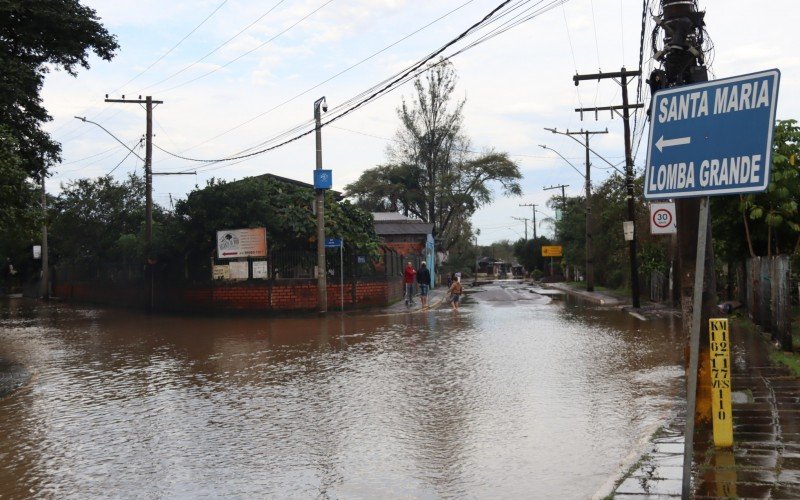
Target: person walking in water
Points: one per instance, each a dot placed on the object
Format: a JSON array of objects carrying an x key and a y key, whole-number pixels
[
  {"x": 455, "y": 292},
  {"x": 408, "y": 279},
  {"x": 424, "y": 281}
]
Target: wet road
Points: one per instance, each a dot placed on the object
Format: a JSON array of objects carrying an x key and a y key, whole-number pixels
[{"x": 507, "y": 398}]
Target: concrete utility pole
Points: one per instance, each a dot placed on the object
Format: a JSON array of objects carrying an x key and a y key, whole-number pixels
[
  {"x": 320, "y": 106},
  {"x": 588, "y": 187},
  {"x": 45, "y": 292},
  {"x": 148, "y": 179},
  {"x": 533, "y": 211},
  {"x": 683, "y": 60},
  {"x": 563, "y": 197},
  {"x": 629, "y": 176},
  {"x": 525, "y": 220}
]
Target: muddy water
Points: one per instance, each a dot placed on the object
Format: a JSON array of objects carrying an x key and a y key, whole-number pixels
[{"x": 505, "y": 399}]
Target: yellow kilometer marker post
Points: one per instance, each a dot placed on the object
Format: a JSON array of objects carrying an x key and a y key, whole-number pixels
[{"x": 719, "y": 337}]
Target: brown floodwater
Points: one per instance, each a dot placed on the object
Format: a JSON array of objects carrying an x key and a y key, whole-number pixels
[{"x": 511, "y": 399}]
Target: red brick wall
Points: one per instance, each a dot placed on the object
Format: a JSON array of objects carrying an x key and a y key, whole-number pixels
[{"x": 247, "y": 296}]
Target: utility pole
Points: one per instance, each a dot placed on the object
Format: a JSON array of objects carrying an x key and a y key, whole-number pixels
[
  {"x": 683, "y": 60},
  {"x": 45, "y": 292},
  {"x": 588, "y": 187},
  {"x": 563, "y": 197},
  {"x": 629, "y": 176},
  {"x": 320, "y": 106},
  {"x": 148, "y": 179},
  {"x": 533, "y": 212},
  {"x": 525, "y": 220}
]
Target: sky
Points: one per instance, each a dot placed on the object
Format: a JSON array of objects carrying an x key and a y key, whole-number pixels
[{"x": 234, "y": 74}]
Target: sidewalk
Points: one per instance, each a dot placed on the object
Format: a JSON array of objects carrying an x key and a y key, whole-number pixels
[
  {"x": 599, "y": 298},
  {"x": 436, "y": 299},
  {"x": 765, "y": 459}
]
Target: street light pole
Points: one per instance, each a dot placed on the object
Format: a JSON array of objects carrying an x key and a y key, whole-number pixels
[{"x": 320, "y": 106}]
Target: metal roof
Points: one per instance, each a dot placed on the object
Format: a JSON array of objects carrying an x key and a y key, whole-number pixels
[{"x": 387, "y": 223}]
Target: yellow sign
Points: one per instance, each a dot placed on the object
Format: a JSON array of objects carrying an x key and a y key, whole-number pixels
[
  {"x": 552, "y": 251},
  {"x": 720, "y": 339}
]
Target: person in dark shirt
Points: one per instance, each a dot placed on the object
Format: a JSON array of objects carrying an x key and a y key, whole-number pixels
[{"x": 424, "y": 281}]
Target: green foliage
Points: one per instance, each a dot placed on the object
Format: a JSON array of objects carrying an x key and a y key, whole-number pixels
[
  {"x": 284, "y": 209},
  {"x": 35, "y": 37},
  {"x": 99, "y": 220},
  {"x": 611, "y": 255},
  {"x": 529, "y": 253},
  {"x": 431, "y": 174}
]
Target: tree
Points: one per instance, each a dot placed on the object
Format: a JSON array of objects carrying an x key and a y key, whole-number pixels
[
  {"x": 284, "y": 209},
  {"x": 775, "y": 213},
  {"x": 99, "y": 221},
  {"x": 34, "y": 37},
  {"x": 432, "y": 174}
]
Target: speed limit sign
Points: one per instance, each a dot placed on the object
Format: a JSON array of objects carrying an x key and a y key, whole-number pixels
[{"x": 662, "y": 218}]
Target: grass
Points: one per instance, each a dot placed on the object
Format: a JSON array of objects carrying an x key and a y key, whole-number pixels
[{"x": 790, "y": 360}]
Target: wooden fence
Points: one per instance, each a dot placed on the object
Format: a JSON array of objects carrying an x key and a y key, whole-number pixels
[{"x": 768, "y": 296}]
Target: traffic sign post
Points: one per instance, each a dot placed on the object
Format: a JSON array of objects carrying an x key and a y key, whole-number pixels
[
  {"x": 712, "y": 138},
  {"x": 662, "y": 218},
  {"x": 338, "y": 243}
]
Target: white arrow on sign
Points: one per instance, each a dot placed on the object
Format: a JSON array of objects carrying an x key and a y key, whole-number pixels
[{"x": 680, "y": 141}]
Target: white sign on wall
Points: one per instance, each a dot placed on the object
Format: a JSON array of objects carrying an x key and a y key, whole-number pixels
[
  {"x": 260, "y": 270},
  {"x": 662, "y": 218},
  {"x": 239, "y": 270}
]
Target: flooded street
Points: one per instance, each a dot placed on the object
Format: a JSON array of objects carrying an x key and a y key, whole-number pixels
[{"x": 523, "y": 399}]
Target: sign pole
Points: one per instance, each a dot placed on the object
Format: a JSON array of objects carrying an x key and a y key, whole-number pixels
[
  {"x": 341, "y": 272},
  {"x": 694, "y": 348}
]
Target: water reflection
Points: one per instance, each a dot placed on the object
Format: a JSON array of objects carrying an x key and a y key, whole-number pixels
[{"x": 525, "y": 401}]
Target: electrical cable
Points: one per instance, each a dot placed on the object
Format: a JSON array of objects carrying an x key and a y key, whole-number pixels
[
  {"x": 409, "y": 75},
  {"x": 226, "y": 42},
  {"x": 416, "y": 66},
  {"x": 126, "y": 157},
  {"x": 249, "y": 51},
  {"x": 306, "y": 91},
  {"x": 171, "y": 49}
]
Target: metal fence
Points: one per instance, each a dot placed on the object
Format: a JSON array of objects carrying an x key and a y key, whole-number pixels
[{"x": 278, "y": 265}]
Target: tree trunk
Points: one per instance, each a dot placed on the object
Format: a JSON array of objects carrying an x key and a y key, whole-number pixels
[{"x": 747, "y": 230}]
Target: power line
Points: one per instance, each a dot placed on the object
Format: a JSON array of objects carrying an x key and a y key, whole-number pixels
[
  {"x": 249, "y": 51},
  {"x": 226, "y": 42},
  {"x": 172, "y": 48},
  {"x": 126, "y": 157},
  {"x": 306, "y": 91},
  {"x": 393, "y": 83},
  {"x": 484, "y": 38}
]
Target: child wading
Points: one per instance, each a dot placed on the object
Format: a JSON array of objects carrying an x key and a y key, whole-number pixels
[{"x": 455, "y": 292}]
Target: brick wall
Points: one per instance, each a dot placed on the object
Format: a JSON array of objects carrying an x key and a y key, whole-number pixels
[{"x": 294, "y": 295}]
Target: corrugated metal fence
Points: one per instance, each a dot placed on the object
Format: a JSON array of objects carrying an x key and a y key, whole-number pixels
[{"x": 768, "y": 295}]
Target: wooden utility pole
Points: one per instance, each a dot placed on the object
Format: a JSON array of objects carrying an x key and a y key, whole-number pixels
[
  {"x": 588, "y": 187},
  {"x": 148, "y": 179},
  {"x": 533, "y": 213},
  {"x": 629, "y": 176},
  {"x": 525, "y": 220}
]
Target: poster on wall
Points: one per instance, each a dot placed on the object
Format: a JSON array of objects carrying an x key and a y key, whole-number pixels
[
  {"x": 236, "y": 243},
  {"x": 221, "y": 272},
  {"x": 239, "y": 270},
  {"x": 260, "y": 270}
]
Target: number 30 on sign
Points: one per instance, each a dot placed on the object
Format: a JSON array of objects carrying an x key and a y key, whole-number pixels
[{"x": 662, "y": 218}]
